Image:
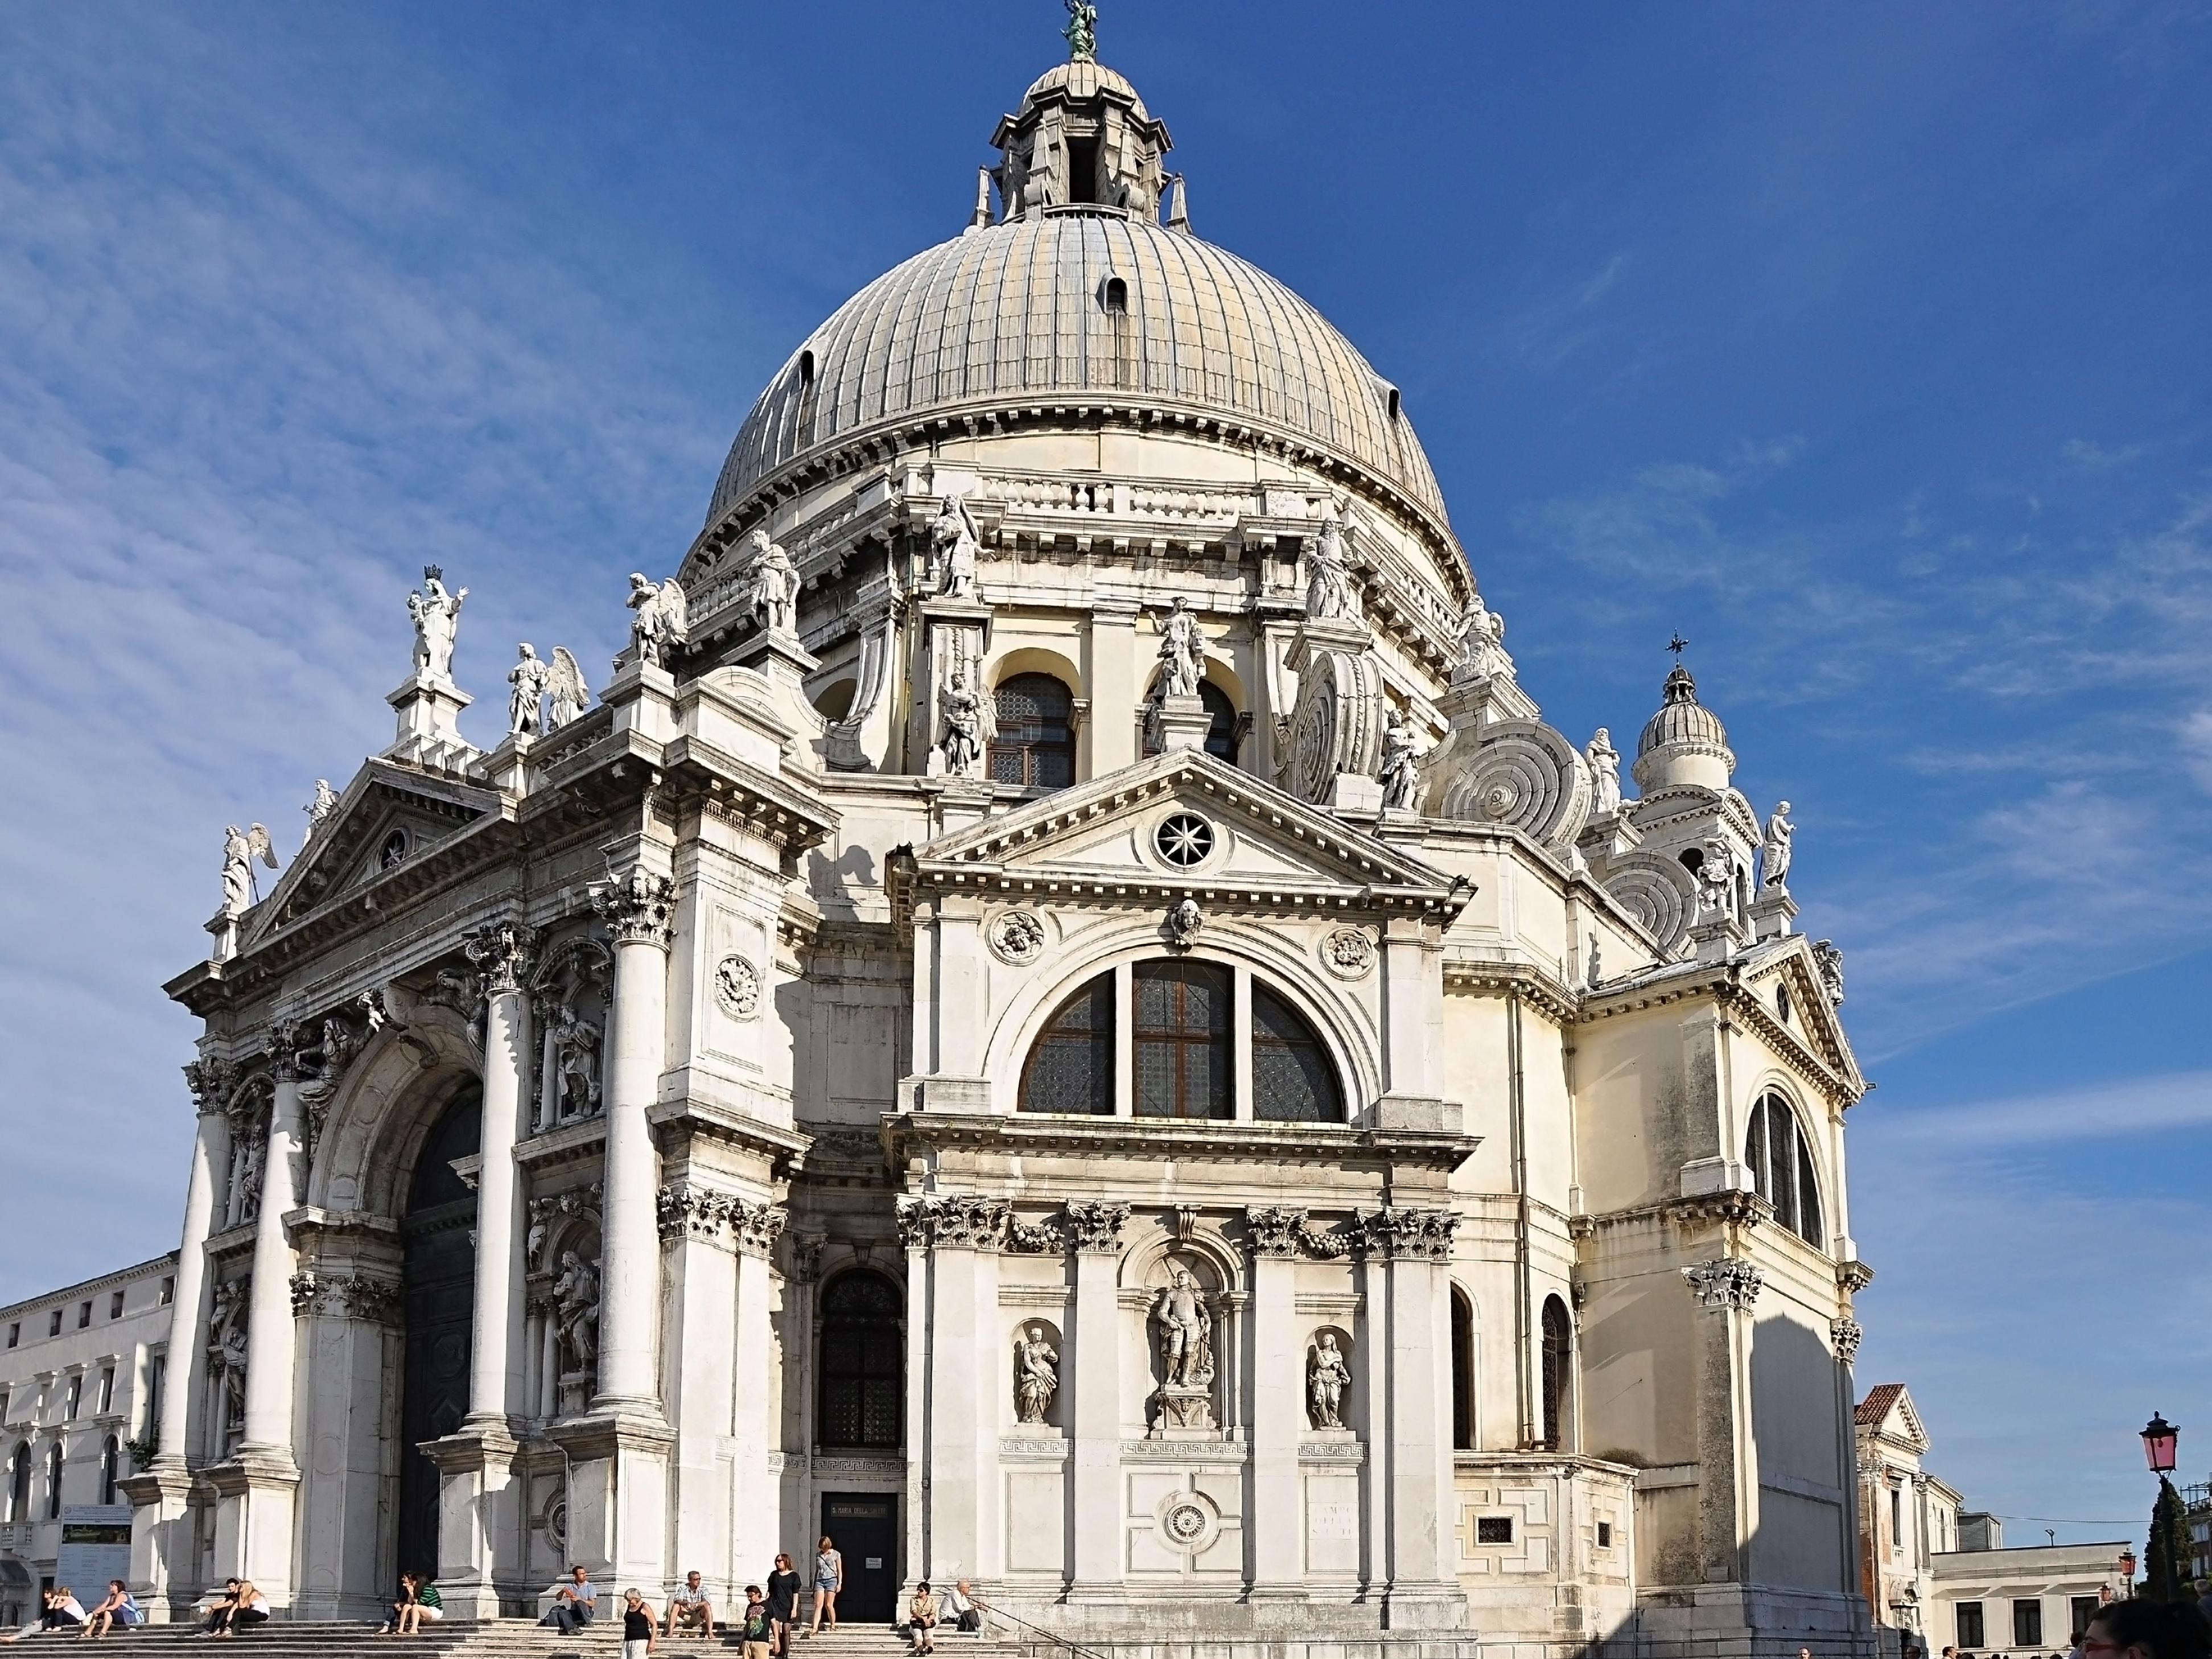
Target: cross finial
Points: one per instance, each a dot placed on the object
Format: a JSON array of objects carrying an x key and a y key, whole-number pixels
[{"x": 1678, "y": 645}]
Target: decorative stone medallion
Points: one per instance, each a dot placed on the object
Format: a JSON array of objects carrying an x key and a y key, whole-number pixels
[
  {"x": 738, "y": 988},
  {"x": 1348, "y": 953},
  {"x": 1017, "y": 936},
  {"x": 1184, "y": 840},
  {"x": 1188, "y": 1522}
]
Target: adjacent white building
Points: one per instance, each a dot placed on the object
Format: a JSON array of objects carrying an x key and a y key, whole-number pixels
[
  {"x": 1064, "y": 1020},
  {"x": 82, "y": 1371},
  {"x": 2027, "y": 1599}
]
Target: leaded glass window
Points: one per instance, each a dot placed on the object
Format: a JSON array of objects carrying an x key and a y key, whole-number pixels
[
  {"x": 863, "y": 1363},
  {"x": 1182, "y": 1040},
  {"x": 1034, "y": 746},
  {"x": 1781, "y": 1160},
  {"x": 1293, "y": 1081},
  {"x": 1070, "y": 1069}
]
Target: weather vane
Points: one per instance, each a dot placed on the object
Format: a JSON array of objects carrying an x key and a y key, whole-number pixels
[
  {"x": 1678, "y": 645},
  {"x": 1082, "y": 32}
]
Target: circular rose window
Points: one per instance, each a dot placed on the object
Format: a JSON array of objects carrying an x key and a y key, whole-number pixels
[{"x": 1184, "y": 840}]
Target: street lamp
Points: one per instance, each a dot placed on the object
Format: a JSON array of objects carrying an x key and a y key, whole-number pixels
[{"x": 2159, "y": 1438}]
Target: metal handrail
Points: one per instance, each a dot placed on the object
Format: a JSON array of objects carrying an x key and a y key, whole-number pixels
[{"x": 1053, "y": 1637}]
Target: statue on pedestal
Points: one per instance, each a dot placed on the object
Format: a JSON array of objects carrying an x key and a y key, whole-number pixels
[
  {"x": 962, "y": 743},
  {"x": 1330, "y": 596},
  {"x": 564, "y": 684},
  {"x": 657, "y": 626},
  {"x": 1605, "y": 774},
  {"x": 1326, "y": 1382},
  {"x": 954, "y": 541},
  {"x": 774, "y": 595},
  {"x": 437, "y": 618},
  {"x": 528, "y": 679},
  {"x": 319, "y": 809},
  {"x": 240, "y": 848},
  {"x": 1182, "y": 651},
  {"x": 1037, "y": 1376},
  {"x": 1401, "y": 776},
  {"x": 1481, "y": 645},
  {"x": 1774, "y": 849},
  {"x": 1185, "y": 1396}
]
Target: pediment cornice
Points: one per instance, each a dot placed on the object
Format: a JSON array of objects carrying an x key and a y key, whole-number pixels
[{"x": 1153, "y": 1139}]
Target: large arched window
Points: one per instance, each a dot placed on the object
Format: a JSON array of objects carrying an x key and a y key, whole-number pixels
[
  {"x": 1034, "y": 746},
  {"x": 1559, "y": 1355},
  {"x": 1293, "y": 1081},
  {"x": 1462, "y": 1358},
  {"x": 1182, "y": 1040},
  {"x": 1220, "y": 731},
  {"x": 19, "y": 1485},
  {"x": 863, "y": 1388},
  {"x": 54, "y": 1482},
  {"x": 1070, "y": 1069},
  {"x": 1781, "y": 1163}
]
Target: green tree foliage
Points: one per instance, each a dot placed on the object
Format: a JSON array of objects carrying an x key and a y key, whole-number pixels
[{"x": 2166, "y": 1565}]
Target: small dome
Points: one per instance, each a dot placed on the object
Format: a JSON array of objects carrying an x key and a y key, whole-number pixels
[
  {"x": 1685, "y": 742},
  {"x": 1083, "y": 81}
]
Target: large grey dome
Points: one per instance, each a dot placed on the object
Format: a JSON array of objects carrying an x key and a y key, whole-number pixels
[{"x": 1008, "y": 314}]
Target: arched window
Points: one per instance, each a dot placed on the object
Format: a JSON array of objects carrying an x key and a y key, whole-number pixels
[
  {"x": 1462, "y": 1358},
  {"x": 862, "y": 1399},
  {"x": 111, "y": 1456},
  {"x": 1182, "y": 1040},
  {"x": 1558, "y": 1352},
  {"x": 1036, "y": 743},
  {"x": 1293, "y": 1081},
  {"x": 1220, "y": 732},
  {"x": 1781, "y": 1163},
  {"x": 19, "y": 1485},
  {"x": 1070, "y": 1069},
  {"x": 54, "y": 1482}
]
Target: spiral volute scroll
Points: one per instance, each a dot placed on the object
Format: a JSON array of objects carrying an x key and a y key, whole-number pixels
[
  {"x": 1336, "y": 727},
  {"x": 1657, "y": 892},
  {"x": 1525, "y": 775}
]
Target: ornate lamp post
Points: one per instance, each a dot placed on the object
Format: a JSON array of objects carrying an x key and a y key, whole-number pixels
[{"x": 2166, "y": 1567}]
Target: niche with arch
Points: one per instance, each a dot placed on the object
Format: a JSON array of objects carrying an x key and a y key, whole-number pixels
[
  {"x": 1328, "y": 1380},
  {"x": 1038, "y": 1354},
  {"x": 561, "y": 1259}
]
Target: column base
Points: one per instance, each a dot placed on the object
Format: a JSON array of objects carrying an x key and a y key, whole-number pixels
[
  {"x": 1436, "y": 1606},
  {"x": 161, "y": 1537},
  {"x": 618, "y": 1491},
  {"x": 479, "y": 1522},
  {"x": 256, "y": 1493}
]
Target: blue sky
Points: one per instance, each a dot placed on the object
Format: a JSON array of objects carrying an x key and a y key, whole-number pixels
[{"x": 1867, "y": 346}]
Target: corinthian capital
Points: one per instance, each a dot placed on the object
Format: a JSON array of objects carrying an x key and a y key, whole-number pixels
[
  {"x": 209, "y": 1080},
  {"x": 502, "y": 953},
  {"x": 636, "y": 908},
  {"x": 1725, "y": 1282}
]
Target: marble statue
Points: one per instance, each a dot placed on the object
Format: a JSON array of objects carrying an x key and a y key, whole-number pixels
[
  {"x": 1481, "y": 645},
  {"x": 775, "y": 591},
  {"x": 1182, "y": 651},
  {"x": 1329, "y": 593},
  {"x": 1605, "y": 774},
  {"x": 1186, "y": 1333},
  {"x": 564, "y": 685},
  {"x": 1774, "y": 849},
  {"x": 1716, "y": 891},
  {"x": 657, "y": 626},
  {"x": 576, "y": 1307},
  {"x": 954, "y": 541},
  {"x": 240, "y": 848},
  {"x": 526, "y": 701},
  {"x": 1400, "y": 774},
  {"x": 1037, "y": 1376},
  {"x": 962, "y": 743},
  {"x": 437, "y": 618},
  {"x": 247, "y": 1191},
  {"x": 575, "y": 1062},
  {"x": 319, "y": 809},
  {"x": 1327, "y": 1382},
  {"x": 1082, "y": 32},
  {"x": 1830, "y": 962}
]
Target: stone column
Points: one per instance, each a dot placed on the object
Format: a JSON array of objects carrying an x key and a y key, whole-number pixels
[
  {"x": 964, "y": 1267},
  {"x": 1727, "y": 1288},
  {"x": 1094, "y": 1231},
  {"x": 1416, "y": 1494},
  {"x": 637, "y": 910},
  {"x": 699, "y": 1325},
  {"x": 753, "y": 1429},
  {"x": 1278, "y": 1418}
]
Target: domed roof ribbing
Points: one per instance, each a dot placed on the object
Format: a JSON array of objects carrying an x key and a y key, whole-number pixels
[
  {"x": 1681, "y": 718},
  {"x": 1085, "y": 79}
]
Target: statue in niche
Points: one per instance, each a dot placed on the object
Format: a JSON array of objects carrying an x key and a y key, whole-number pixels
[
  {"x": 963, "y": 742},
  {"x": 245, "y": 1179},
  {"x": 240, "y": 848},
  {"x": 1774, "y": 849},
  {"x": 525, "y": 700},
  {"x": 1329, "y": 593},
  {"x": 436, "y": 615},
  {"x": 564, "y": 684},
  {"x": 954, "y": 541},
  {"x": 1716, "y": 884},
  {"x": 1327, "y": 1380},
  {"x": 1605, "y": 774},
  {"x": 1182, "y": 651},
  {"x": 657, "y": 626},
  {"x": 576, "y": 1310},
  {"x": 575, "y": 1063},
  {"x": 319, "y": 810},
  {"x": 1186, "y": 1333},
  {"x": 1037, "y": 1376},
  {"x": 1401, "y": 773},
  {"x": 1481, "y": 645},
  {"x": 775, "y": 591}
]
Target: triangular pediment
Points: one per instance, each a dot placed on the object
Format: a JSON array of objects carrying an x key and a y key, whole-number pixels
[
  {"x": 1812, "y": 1017},
  {"x": 388, "y": 818},
  {"x": 1184, "y": 820},
  {"x": 1887, "y": 1413}
]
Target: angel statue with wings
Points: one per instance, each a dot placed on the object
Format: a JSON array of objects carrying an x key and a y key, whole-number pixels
[
  {"x": 564, "y": 685},
  {"x": 657, "y": 627},
  {"x": 240, "y": 848}
]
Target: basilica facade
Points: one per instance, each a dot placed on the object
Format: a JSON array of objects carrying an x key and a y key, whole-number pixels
[{"x": 1061, "y": 1019}]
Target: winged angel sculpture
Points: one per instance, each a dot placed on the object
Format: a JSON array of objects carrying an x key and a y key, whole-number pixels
[
  {"x": 659, "y": 625},
  {"x": 240, "y": 848},
  {"x": 565, "y": 687}
]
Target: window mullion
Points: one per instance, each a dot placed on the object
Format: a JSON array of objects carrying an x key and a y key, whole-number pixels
[{"x": 1240, "y": 1045}]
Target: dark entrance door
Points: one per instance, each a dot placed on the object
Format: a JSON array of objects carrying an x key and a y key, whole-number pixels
[
  {"x": 438, "y": 1278},
  {"x": 864, "y": 1526}
]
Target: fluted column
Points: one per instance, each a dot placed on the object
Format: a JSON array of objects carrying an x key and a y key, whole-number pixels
[
  {"x": 637, "y": 910},
  {"x": 502, "y": 954},
  {"x": 270, "y": 1348},
  {"x": 187, "y": 1316}
]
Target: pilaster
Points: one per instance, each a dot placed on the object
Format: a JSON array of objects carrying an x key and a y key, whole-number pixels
[
  {"x": 1277, "y": 1363},
  {"x": 1094, "y": 1231}
]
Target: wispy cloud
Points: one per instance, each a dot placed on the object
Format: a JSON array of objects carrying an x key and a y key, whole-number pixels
[{"x": 2178, "y": 1100}]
